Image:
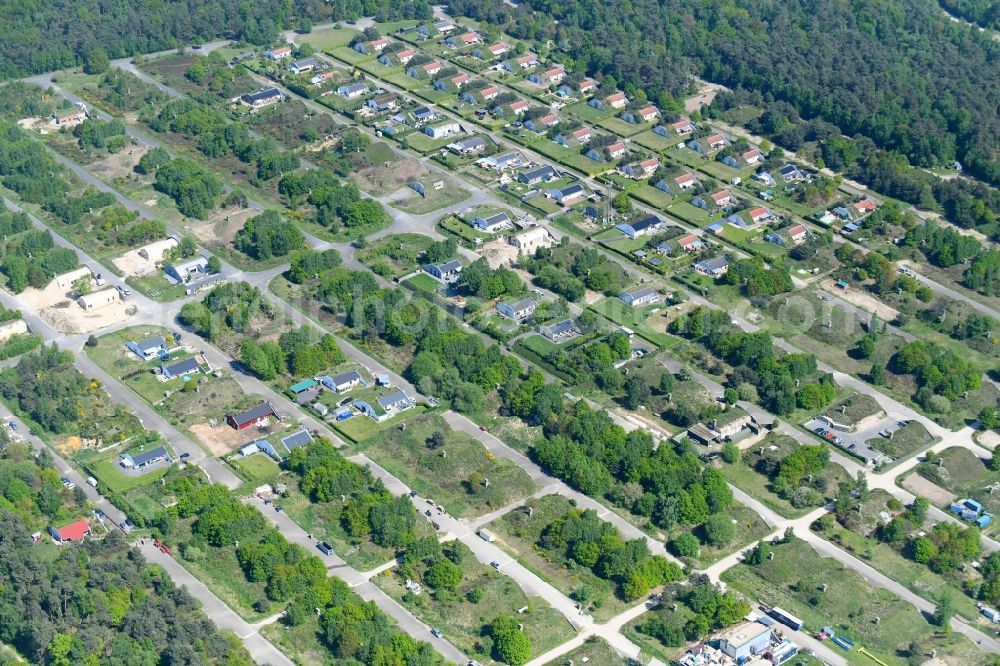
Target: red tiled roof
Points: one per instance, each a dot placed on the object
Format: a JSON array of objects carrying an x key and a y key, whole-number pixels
[
  {"x": 760, "y": 211},
  {"x": 74, "y": 531},
  {"x": 798, "y": 230}
]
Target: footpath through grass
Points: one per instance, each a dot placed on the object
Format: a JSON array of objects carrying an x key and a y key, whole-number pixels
[
  {"x": 459, "y": 474},
  {"x": 794, "y": 580}
]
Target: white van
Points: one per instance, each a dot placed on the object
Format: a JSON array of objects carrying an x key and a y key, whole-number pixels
[{"x": 92, "y": 481}]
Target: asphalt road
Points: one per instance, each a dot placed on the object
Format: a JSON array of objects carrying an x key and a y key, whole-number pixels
[{"x": 260, "y": 649}]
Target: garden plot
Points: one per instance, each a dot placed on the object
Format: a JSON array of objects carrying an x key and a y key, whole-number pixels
[
  {"x": 70, "y": 317},
  {"x": 118, "y": 165},
  {"x": 220, "y": 229},
  {"x": 384, "y": 179}
]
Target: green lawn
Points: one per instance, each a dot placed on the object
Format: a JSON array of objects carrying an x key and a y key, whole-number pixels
[
  {"x": 395, "y": 255},
  {"x": 324, "y": 40},
  {"x": 648, "y": 194},
  {"x": 454, "y": 474},
  {"x": 595, "y": 651},
  {"x": 361, "y": 427},
  {"x": 259, "y": 467},
  {"x": 905, "y": 441},
  {"x": 424, "y": 282},
  {"x": 688, "y": 213},
  {"x": 520, "y": 535},
  {"x": 621, "y": 127},
  {"x": 793, "y": 581},
  {"x": 448, "y": 196},
  {"x": 156, "y": 286},
  {"x": 655, "y": 142},
  {"x": 109, "y": 473},
  {"x": 616, "y": 310},
  {"x": 462, "y": 620}
]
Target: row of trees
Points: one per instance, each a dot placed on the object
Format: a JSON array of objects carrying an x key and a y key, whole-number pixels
[
  {"x": 569, "y": 270},
  {"x": 754, "y": 360},
  {"x": 301, "y": 352},
  {"x": 368, "y": 510},
  {"x": 581, "y": 536},
  {"x": 268, "y": 235},
  {"x": 666, "y": 484},
  {"x": 228, "y": 307},
  {"x": 712, "y": 609}
]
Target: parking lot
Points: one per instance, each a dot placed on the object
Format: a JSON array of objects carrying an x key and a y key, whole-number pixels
[{"x": 854, "y": 442}]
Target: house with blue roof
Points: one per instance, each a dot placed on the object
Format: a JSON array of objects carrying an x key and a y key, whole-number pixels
[
  {"x": 714, "y": 228},
  {"x": 694, "y": 145}
]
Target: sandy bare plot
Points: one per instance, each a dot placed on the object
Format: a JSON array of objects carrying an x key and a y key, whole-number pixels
[
  {"x": 500, "y": 253},
  {"x": 220, "y": 230},
  {"x": 37, "y": 300},
  {"x": 861, "y": 300},
  {"x": 381, "y": 180},
  {"x": 131, "y": 263},
  {"x": 221, "y": 439},
  {"x": 989, "y": 438},
  {"x": 118, "y": 165},
  {"x": 937, "y": 495},
  {"x": 70, "y": 317}
]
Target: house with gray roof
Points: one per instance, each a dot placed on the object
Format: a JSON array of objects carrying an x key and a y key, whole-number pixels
[
  {"x": 295, "y": 440},
  {"x": 345, "y": 381},
  {"x": 446, "y": 272},
  {"x": 144, "y": 459},
  {"x": 493, "y": 223},
  {"x": 560, "y": 331},
  {"x": 149, "y": 348},
  {"x": 188, "y": 366},
  {"x": 639, "y": 297},
  {"x": 519, "y": 310}
]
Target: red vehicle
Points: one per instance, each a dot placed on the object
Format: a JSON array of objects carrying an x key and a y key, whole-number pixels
[{"x": 163, "y": 547}]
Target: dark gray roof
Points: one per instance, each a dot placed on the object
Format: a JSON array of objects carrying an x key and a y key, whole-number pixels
[
  {"x": 141, "y": 459},
  {"x": 496, "y": 219},
  {"x": 572, "y": 189},
  {"x": 714, "y": 264},
  {"x": 471, "y": 142},
  {"x": 263, "y": 409},
  {"x": 305, "y": 63},
  {"x": 392, "y": 398},
  {"x": 641, "y": 293},
  {"x": 295, "y": 440},
  {"x": 561, "y": 327},
  {"x": 151, "y": 343},
  {"x": 449, "y": 266},
  {"x": 346, "y": 377},
  {"x": 646, "y": 223},
  {"x": 185, "y": 366},
  {"x": 522, "y": 304},
  {"x": 261, "y": 95},
  {"x": 540, "y": 172}
]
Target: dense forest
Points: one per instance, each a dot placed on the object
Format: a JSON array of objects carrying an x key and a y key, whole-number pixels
[
  {"x": 45, "y": 36},
  {"x": 98, "y": 603},
  {"x": 985, "y": 13},
  {"x": 911, "y": 80}
]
